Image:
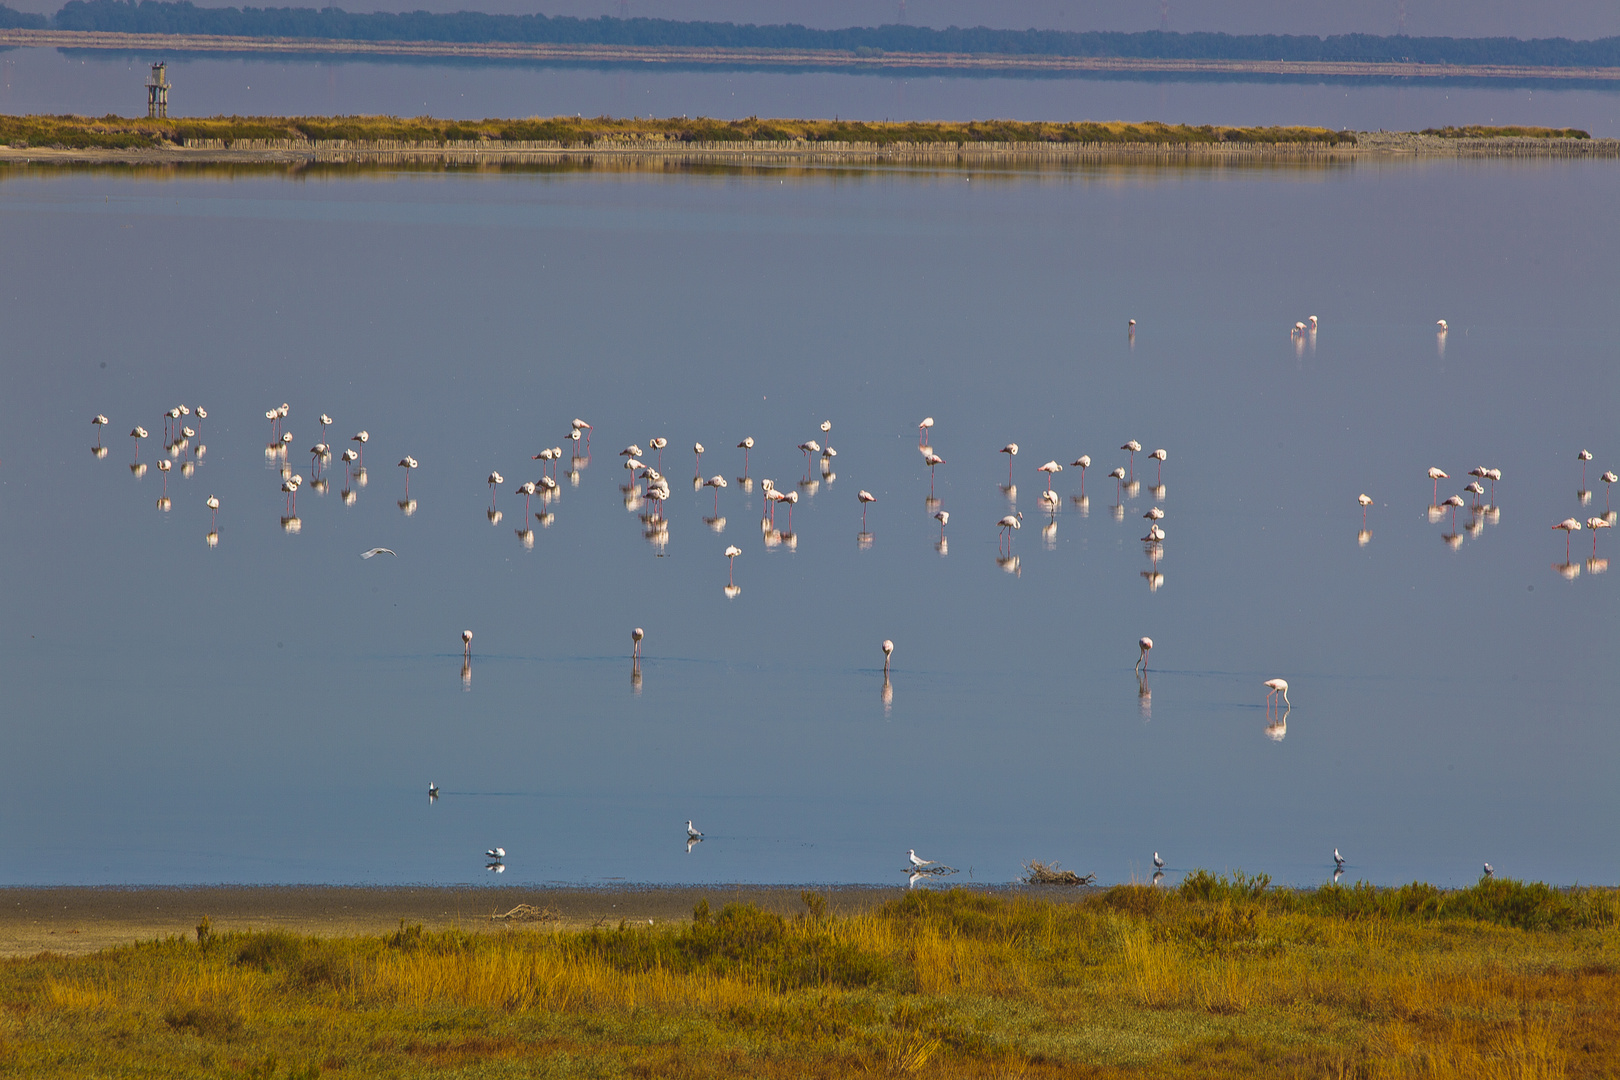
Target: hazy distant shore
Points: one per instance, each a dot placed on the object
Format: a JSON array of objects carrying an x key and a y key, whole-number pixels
[{"x": 788, "y": 152}]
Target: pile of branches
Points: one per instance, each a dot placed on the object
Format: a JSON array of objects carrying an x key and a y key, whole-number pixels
[
  {"x": 1039, "y": 873},
  {"x": 530, "y": 913}
]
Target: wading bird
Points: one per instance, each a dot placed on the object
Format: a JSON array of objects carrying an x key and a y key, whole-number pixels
[
  {"x": 407, "y": 463},
  {"x": 635, "y": 638},
  {"x": 888, "y": 651},
  {"x": 325, "y": 421},
  {"x": 746, "y": 445},
  {"x": 1146, "y": 645},
  {"x": 1049, "y": 468},
  {"x": 1569, "y": 525},
  {"x": 495, "y": 853},
  {"x": 1132, "y": 446},
  {"x": 658, "y": 444},
  {"x": 717, "y": 482},
  {"x": 578, "y": 426},
  {"x": 1441, "y": 323},
  {"x": 1008, "y": 524},
  {"x": 138, "y": 433},
  {"x": 932, "y": 459},
  {"x": 697, "y": 468},
  {"x": 1011, "y": 450},
  {"x": 1594, "y": 524},
  {"x": 433, "y": 791},
  {"x": 915, "y": 861},
  {"x": 100, "y": 422},
  {"x": 1277, "y": 686},
  {"x": 1436, "y": 475},
  {"x": 1158, "y": 863},
  {"x": 1365, "y": 500},
  {"x": 942, "y": 517},
  {"x": 923, "y": 430},
  {"x": 1160, "y": 456},
  {"x": 1083, "y": 462},
  {"x": 494, "y": 478},
  {"x": 213, "y": 507},
  {"x": 1583, "y": 457},
  {"x": 809, "y": 448},
  {"x": 361, "y": 437},
  {"x": 526, "y": 489},
  {"x": 1119, "y": 478},
  {"x": 731, "y": 561},
  {"x": 865, "y": 497},
  {"x": 692, "y": 833},
  {"x": 826, "y": 426},
  {"x": 1453, "y": 501},
  {"x": 1338, "y": 860},
  {"x": 466, "y": 644}
]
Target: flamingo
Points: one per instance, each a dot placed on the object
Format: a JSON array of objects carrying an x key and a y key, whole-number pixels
[
  {"x": 1365, "y": 500},
  {"x": 527, "y": 490},
  {"x": 1009, "y": 523},
  {"x": 942, "y": 517},
  {"x": 1279, "y": 686},
  {"x": 1146, "y": 645},
  {"x": 923, "y": 430},
  {"x": 1594, "y": 524},
  {"x": 1583, "y": 457},
  {"x": 631, "y": 451},
  {"x": 138, "y": 434},
  {"x": 1312, "y": 321},
  {"x": 578, "y": 426},
  {"x": 865, "y": 497},
  {"x": 1083, "y": 462},
  {"x": 361, "y": 437},
  {"x": 1437, "y": 475},
  {"x": 1132, "y": 325},
  {"x": 658, "y": 444},
  {"x": 635, "y": 637},
  {"x": 163, "y": 467},
  {"x": 213, "y": 506},
  {"x": 746, "y": 445},
  {"x": 325, "y": 422},
  {"x": 1049, "y": 468},
  {"x": 1154, "y": 514},
  {"x": 1160, "y": 456},
  {"x": 573, "y": 437},
  {"x": 1119, "y": 478},
  {"x": 1011, "y": 450},
  {"x": 1453, "y": 501},
  {"x": 717, "y": 482},
  {"x": 1568, "y": 525},
  {"x": 1475, "y": 488},
  {"x": 731, "y": 561},
  {"x": 466, "y": 644},
  {"x": 100, "y": 422},
  {"x": 1298, "y": 330},
  {"x": 697, "y": 469},
  {"x": 290, "y": 489},
  {"x": 1608, "y": 479},
  {"x": 1441, "y": 323},
  {"x": 792, "y": 499},
  {"x": 1133, "y": 446},
  {"x": 932, "y": 459},
  {"x": 495, "y": 478},
  {"x": 1154, "y": 536},
  {"x": 809, "y": 448},
  {"x": 407, "y": 463},
  {"x": 1495, "y": 475},
  {"x": 888, "y": 651}
]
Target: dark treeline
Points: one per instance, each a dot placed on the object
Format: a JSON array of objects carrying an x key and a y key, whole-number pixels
[{"x": 155, "y": 17}]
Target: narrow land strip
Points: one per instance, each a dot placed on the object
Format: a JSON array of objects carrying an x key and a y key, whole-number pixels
[{"x": 791, "y": 58}]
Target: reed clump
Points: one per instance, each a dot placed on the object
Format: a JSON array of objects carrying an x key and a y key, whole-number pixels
[{"x": 1220, "y": 976}]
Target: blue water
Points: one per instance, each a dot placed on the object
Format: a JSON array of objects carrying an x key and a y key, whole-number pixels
[{"x": 272, "y": 709}]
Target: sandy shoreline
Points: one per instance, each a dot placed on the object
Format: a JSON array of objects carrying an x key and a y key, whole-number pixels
[
  {"x": 666, "y": 153},
  {"x": 79, "y": 920}
]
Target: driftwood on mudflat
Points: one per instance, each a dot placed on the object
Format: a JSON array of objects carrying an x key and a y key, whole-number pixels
[
  {"x": 1039, "y": 873},
  {"x": 530, "y": 913}
]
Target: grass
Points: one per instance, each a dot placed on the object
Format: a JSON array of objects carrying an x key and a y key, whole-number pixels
[
  {"x": 1478, "y": 132},
  {"x": 1221, "y": 976},
  {"x": 113, "y": 132}
]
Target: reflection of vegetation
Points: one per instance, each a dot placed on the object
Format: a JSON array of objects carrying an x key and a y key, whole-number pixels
[
  {"x": 1475, "y": 131},
  {"x": 1217, "y": 977},
  {"x": 152, "y": 17},
  {"x": 77, "y": 132}
]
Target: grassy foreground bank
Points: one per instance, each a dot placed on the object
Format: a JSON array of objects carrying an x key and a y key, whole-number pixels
[
  {"x": 1216, "y": 977},
  {"x": 119, "y": 133}
]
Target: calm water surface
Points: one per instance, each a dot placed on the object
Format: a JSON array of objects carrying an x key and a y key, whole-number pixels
[
  {"x": 273, "y": 708},
  {"x": 96, "y": 83}
]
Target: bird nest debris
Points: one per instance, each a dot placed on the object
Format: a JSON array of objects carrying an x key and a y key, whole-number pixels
[
  {"x": 530, "y": 913},
  {"x": 1039, "y": 873}
]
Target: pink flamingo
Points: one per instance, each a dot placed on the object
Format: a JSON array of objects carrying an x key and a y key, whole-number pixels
[
  {"x": 1569, "y": 525},
  {"x": 1133, "y": 446},
  {"x": 865, "y": 497},
  {"x": 1011, "y": 450}
]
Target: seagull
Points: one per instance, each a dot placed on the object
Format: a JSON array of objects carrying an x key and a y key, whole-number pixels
[
  {"x": 1490, "y": 871},
  {"x": 495, "y": 853},
  {"x": 911, "y": 854},
  {"x": 378, "y": 551},
  {"x": 433, "y": 790},
  {"x": 691, "y": 833},
  {"x": 1158, "y": 863},
  {"x": 1338, "y": 860},
  {"x": 1277, "y": 686},
  {"x": 1146, "y": 645},
  {"x": 888, "y": 651}
]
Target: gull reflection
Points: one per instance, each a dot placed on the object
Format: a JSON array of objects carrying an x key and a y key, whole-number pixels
[
  {"x": 1338, "y": 872},
  {"x": 692, "y": 842},
  {"x": 525, "y": 537},
  {"x": 495, "y": 867},
  {"x": 1277, "y": 729},
  {"x": 1158, "y": 877}
]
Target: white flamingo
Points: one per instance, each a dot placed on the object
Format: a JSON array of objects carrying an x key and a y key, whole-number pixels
[
  {"x": 1011, "y": 450},
  {"x": 888, "y": 651},
  {"x": 1365, "y": 500},
  {"x": 494, "y": 478},
  {"x": 731, "y": 561},
  {"x": 1049, "y": 468},
  {"x": 1583, "y": 457},
  {"x": 1008, "y": 524},
  {"x": 746, "y": 445},
  {"x": 635, "y": 637},
  {"x": 1437, "y": 475},
  {"x": 1146, "y": 645},
  {"x": 865, "y": 498},
  {"x": 1133, "y": 447},
  {"x": 1160, "y": 455},
  {"x": 1277, "y": 686},
  {"x": 1083, "y": 462},
  {"x": 466, "y": 644},
  {"x": 1594, "y": 524},
  {"x": 942, "y": 517}
]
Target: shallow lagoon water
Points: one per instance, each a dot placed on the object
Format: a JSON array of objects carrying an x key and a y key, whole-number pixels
[{"x": 273, "y": 708}]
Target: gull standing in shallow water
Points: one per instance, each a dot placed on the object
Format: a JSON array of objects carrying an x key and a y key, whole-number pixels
[
  {"x": 692, "y": 833},
  {"x": 911, "y": 853}
]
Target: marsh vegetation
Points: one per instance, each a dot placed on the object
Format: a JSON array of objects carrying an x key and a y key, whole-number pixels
[{"x": 1219, "y": 976}]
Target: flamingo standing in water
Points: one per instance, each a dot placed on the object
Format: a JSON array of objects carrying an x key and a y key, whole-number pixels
[
  {"x": 1583, "y": 457},
  {"x": 1160, "y": 455},
  {"x": 1453, "y": 501},
  {"x": 1011, "y": 450},
  {"x": 1008, "y": 524},
  {"x": 1083, "y": 462},
  {"x": 717, "y": 482},
  {"x": 635, "y": 638},
  {"x": 923, "y": 430},
  {"x": 213, "y": 507},
  {"x": 746, "y": 445},
  {"x": 1569, "y": 525},
  {"x": 578, "y": 426},
  {"x": 697, "y": 469},
  {"x": 466, "y": 644},
  {"x": 407, "y": 463},
  {"x": 1146, "y": 645},
  {"x": 1119, "y": 478},
  {"x": 1594, "y": 524},
  {"x": 1132, "y": 446},
  {"x": 361, "y": 437},
  {"x": 888, "y": 651},
  {"x": 810, "y": 449},
  {"x": 138, "y": 433},
  {"x": 527, "y": 490},
  {"x": 942, "y": 517},
  {"x": 1608, "y": 479},
  {"x": 100, "y": 422},
  {"x": 932, "y": 459},
  {"x": 1278, "y": 686},
  {"x": 792, "y": 499},
  {"x": 1049, "y": 468},
  {"x": 658, "y": 444},
  {"x": 731, "y": 561},
  {"x": 325, "y": 421},
  {"x": 495, "y": 478},
  {"x": 1365, "y": 500},
  {"x": 865, "y": 497},
  {"x": 1436, "y": 475}
]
